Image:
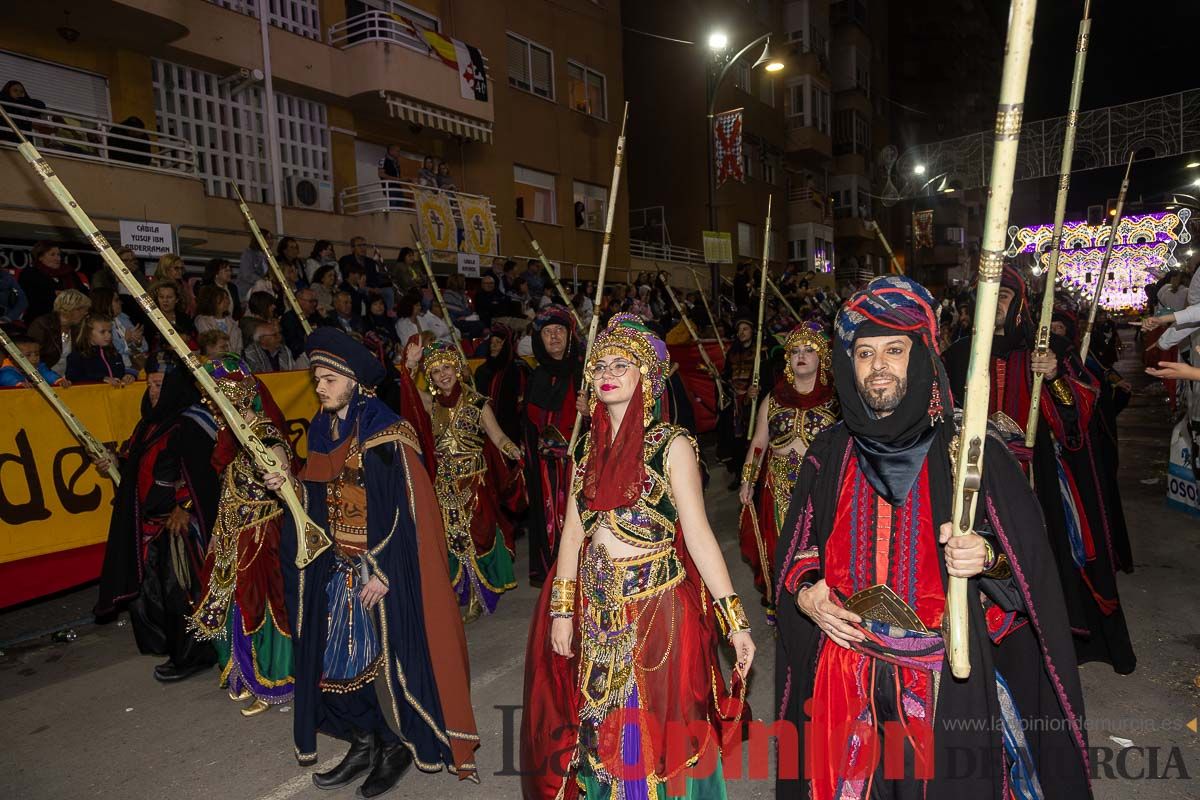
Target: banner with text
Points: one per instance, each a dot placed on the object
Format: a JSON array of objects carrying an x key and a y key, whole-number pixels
[
  {"x": 148, "y": 239},
  {"x": 54, "y": 507}
]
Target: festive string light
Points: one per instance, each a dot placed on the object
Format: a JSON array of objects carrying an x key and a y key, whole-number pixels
[{"x": 1143, "y": 251}]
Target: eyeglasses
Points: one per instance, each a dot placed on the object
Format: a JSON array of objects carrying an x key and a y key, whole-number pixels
[{"x": 616, "y": 369}]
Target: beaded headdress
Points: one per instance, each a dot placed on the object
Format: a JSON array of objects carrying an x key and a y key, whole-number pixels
[
  {"x": 235, "y": 380},
  {"x": 808, "y": 334},
  {"x": 627, "y": 335},
  {"x": 440, "y": 353}
]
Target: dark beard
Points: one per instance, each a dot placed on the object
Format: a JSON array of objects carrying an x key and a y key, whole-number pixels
[{"x": 883, "y": 403}]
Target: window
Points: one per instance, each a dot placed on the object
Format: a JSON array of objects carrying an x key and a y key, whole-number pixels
[
  {"x": 770, "y": 173},
  {"x": 58, "y": 86},
  {"x": 587, "y": 90},
  {"x": 530, "y": 67},
  {"x": 536, "y": 198},
  {"x": 746, "y": 239},
  {"x": 766, "y": 90},
  {"x": 298, "y": 16},
  {"x": 798, "y": 253},
  {"x": 852, "y": 134},
  {"x": 593, "y": 211},
  {"x": 793, "y": 102},
  {"x": 819, "y": 116},
  {"x": 303, "y": 137},
  {"x": 741, "y": 76}
]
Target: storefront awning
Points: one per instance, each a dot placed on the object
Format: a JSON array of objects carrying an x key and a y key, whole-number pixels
[{"x": 439, "y": 118}]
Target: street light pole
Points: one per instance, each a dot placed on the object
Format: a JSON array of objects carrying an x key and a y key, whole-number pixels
[{"x": 712, "y": 86}]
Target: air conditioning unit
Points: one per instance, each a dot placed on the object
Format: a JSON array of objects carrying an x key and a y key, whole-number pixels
[{"x": 309, "y": 193}]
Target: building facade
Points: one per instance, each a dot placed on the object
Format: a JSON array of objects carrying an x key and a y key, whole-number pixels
[{"x": 156, "y": 109}]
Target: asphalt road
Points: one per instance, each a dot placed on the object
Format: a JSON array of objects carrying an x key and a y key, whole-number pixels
[{"x": 86, "y": 719}]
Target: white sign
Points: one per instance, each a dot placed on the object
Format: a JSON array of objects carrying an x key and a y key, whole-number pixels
[
  {"x": 148, "y": 239},
  {"x": 468, "y": 265}
]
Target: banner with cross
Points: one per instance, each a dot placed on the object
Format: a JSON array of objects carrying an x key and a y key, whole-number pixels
[
  {"x": 439, "y": 232},
  {"x": 727, "y": 146},
  {"x": 479, "y": 228}
]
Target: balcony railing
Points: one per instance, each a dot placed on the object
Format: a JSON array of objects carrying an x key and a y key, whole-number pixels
[
  {"x": 57, "y": 131},
  {"x": 298, "y": 16},
  {"x": 653, "y": 251},
  {"x": 397, "y": 196}
]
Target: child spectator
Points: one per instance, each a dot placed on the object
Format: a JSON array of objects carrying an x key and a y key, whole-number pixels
[
  {"x": 94, "y": 358},
  {"x": 11, "y": 375}
]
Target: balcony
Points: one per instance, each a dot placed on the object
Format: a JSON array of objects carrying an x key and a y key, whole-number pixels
[
  {"x": 807, "y": 205},
  {"x": 804, "y": 139},
  {"x": 653, "y": 251},
  {"x": 59, "y": 132},
  {"x": 850, "y": 227}
]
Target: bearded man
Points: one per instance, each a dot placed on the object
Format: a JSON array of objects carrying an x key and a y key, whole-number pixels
[
  {"x": 865, "y": 554},
  {"x": 380, "y": 654},
  {"x": 1065, "y": 474}
]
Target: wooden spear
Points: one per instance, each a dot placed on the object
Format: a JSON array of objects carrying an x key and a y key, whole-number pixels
[
  {"x": 618, "y": 163},
  {"x": 288, "y": 294},
  {"x": 762, "y": 304},
  {"x": 708, "y": 309},
  {"x": 691, "y": 329},
  {"x": 1103, "y": 277},
  {"x": 95, "y": 449},
  {"x": 968, "y": 455},
  {"x": 896, "y": 269},
  {"x": 1060, "y": 212},
  {"x": 437, "y": 292},
  {"x": 546, "y": 265},
  {"x": 312, "y": 541},
  {"x": 771, "y": 285}
]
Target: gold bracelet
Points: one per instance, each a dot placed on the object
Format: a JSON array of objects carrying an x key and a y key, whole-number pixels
[
  {"x": 1061, "y": 390},
  {"x": 730, "y": 615},
  {"x": 562, "y": 598},
  {"x": 511, "y": 450},
  {"x": 749, "y": 472}
]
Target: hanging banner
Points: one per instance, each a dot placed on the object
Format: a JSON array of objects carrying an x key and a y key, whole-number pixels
[
  {"x": 435, "y": 220},
  {"x": 479, "y": 229},
  {"x": 922, "y": 229},
  {"x": 54, "y": 507},
  {"x": 727, "y": 146},
  {"x": 472, "y": 73}
]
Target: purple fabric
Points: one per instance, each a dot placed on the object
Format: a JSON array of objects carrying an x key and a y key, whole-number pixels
[{"x": 241, "y": 676}]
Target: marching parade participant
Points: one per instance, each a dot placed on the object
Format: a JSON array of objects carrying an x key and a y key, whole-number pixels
[
  {"x": 380, "y": 654},
  {"x": 801, "y": 405},
  {"x": 472, "y": 481},
  {"x": 738, "y": 374},
  {"x": 628, "y": 626},
  {"x": 242, "y": 611},
  {"x": 864, "y": 558},
  {"x": 1064, "y": 474}
]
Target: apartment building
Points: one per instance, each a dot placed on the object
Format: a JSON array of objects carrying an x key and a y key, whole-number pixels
[
  {"x": 156, "y": 109},
  {"x": 811, "y": 131}
]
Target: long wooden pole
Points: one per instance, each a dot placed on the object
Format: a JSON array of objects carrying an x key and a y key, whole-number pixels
[
  {"x": 546, "y": 265},
  {"x": 276, "y": 270},
  {"x": 1118, "y": 214},
  {"x": 762, "y": 304},
  {"x": 691, "y": 329},
  {"x": 95, "y": 449},
  {"x": 437, "y": 292},
  {"x": 896, "y": 268},
  {"x": 968, "y": 459},
  {"x": 311, "y": 539},
  {"x": 716, "y": 326},
  {"x": 1060, "y": 213},
  {"x": 618, "y": 164}
]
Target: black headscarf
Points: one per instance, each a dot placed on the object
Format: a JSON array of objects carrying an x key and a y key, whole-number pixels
[
  {"x": 1018, "y": 324},
  {"x": 891, "y": 450}
]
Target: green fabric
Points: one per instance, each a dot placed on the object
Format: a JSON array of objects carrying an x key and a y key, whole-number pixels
[
  {"x": 496, "y": 567},
  {"x": 272, "y": 651},
  {"x": 710, "y": 788}
]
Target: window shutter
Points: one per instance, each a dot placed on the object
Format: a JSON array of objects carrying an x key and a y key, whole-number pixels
[
  {"x": 518, "y": 66},
  {"x": 540, "y": 74},
  {"x": 59, "y": 87}
]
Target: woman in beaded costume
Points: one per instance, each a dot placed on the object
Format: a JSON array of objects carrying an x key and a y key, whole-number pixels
[
  {"x": 801, "y": 405},
  {"x": 242, "y": 610},
  {"x": 472, "y": 480},
  {"x": 623, "y": 646}
]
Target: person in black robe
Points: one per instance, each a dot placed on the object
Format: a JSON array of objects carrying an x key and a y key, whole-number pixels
[
  {"x": 550, "y": 409},
  {"x": 162, "y": 515},
  {"x": 503, "y": 377},
  {"x": 864, "y": 556},
  {"x": 734, "y": 422},
  {"x": 1064, "y": 470}
]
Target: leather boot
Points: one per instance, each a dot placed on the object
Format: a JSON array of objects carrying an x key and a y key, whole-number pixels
[
  {"x": 393, "y": 762},
  {"x": 358, "y": 760}
]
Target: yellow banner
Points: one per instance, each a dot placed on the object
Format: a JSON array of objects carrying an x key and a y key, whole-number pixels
[
  {"x": 51, "y": 499},
  {"x": 438, "y": 230},
  {"x": 479, "y": 229}
]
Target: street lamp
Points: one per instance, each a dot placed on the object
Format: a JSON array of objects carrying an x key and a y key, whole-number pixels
[
  {"x": 717, "y": 43},
  {"x": 919, "y": 169}
]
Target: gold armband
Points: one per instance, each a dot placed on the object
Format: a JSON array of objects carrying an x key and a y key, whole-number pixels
[
  {"x": 1061, "y": 391},
  {"x": 730, "y": 615},
  {"x": 510, "y": 450},
  {"x": 749, "y": 472},
  {"x": 562, "y": 598},
  {"x": 995, "y": 566}
]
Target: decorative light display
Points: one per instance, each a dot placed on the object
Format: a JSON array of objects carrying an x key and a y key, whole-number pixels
[{"x": 1144, "y": 250}]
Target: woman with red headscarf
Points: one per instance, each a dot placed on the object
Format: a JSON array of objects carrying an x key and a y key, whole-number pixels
[{"x": 623, "y": 650}]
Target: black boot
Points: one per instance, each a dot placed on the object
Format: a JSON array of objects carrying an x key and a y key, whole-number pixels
[
  {"x": 170, "y": 672},
  {"x": 393, "y": 762},
  {"x": 358, "y": 760}
]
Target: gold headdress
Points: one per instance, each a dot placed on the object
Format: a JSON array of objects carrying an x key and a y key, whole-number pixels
[{"x": 811, "y": 335}]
